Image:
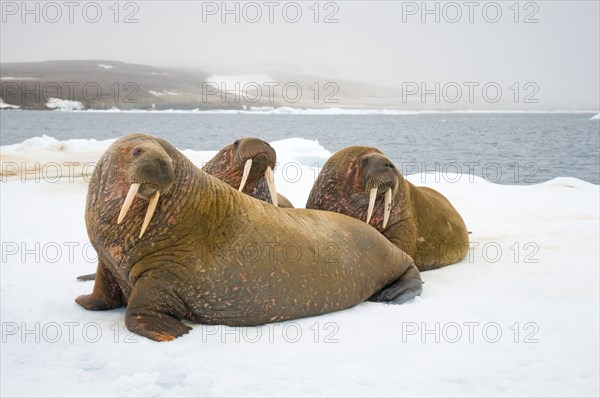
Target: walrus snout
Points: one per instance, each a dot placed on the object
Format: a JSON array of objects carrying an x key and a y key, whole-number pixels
[
  {"x": 260, "y": 163},
  {"x": 379, "y": 171},
  {"x": 381, "y": 178},
  {"x": 153, "y": 174},
  {"x": 384, "y": 186}
]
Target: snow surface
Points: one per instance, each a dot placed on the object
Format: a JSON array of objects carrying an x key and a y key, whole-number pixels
[
  {"x": 4, "y": 105},
  {"x": 163, "y": 92},
  {"x": 519, "y": 316}
]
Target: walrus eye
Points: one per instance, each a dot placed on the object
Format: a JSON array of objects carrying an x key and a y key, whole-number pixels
[
  {"x": 136, "y": 151},
  {"x": 236, "y": 144},
  {"x": 364, "y": 161}
]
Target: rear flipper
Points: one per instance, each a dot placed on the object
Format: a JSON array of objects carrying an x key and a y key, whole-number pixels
[
  {"x": 106, "y": 294},
  {"x": 405, "y": 288},
  {"x": 88, "y": 277}
]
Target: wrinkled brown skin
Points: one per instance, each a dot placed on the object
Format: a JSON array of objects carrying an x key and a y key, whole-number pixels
[
  {"x": 228, "y": 166},
  {"x": 213, "y": 255},
  {"x": 423, "y": 223}
]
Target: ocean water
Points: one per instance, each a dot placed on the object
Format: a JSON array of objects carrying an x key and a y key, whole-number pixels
[{"x": 505, "y": 148}]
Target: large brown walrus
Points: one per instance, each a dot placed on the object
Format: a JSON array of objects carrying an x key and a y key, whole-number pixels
[
  {"x": 361, "y": 182},
  {"x": 175, "y": 243},
  {"x": 248, "y": 165}
]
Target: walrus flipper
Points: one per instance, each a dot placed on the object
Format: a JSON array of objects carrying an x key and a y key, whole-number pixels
[
  {"x": 405, "y": 288},
  {"x": 154, "y": 311},
  {"x": 87, "y": 277},
  {"x": 106, "y": 294},
  {"x": 282, "y": 201}
]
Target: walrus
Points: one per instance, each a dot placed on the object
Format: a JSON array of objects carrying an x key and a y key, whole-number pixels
[
  {"x": 248, "y": 164},
  {"x": 363, "y": 183},
  {"x": 175, "y": 243}
]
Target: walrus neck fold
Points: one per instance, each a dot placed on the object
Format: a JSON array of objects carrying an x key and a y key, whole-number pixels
[{"x": 214, "y": 202}]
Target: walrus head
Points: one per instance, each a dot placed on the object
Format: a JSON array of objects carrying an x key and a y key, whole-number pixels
[
  {"x": 379, "y": 177},
  {"x": 146, "y": 169},
  {"x": 355, "y": 181},
  {"x": 244, "y": 163}
]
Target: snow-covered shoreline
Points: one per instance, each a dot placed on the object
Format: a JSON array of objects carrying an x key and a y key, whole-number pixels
[
  {"x": 518, "y": 316},
  {"x": 76, "y": 106}
]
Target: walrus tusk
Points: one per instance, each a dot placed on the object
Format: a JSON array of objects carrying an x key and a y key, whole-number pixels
[
  {"x": 372, "y": 197},
  {"x": 247, "y": 168},
  {"x": 150, "y": 212},
  {"x": 271, "y": 184},
  {"x": 128, "y": 200},
  {"x": 388, "y": 207}
]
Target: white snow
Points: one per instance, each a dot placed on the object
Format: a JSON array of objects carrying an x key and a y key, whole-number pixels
[
  {"x": 104, "y": 66},
  {"x": 64, "y": 105},
  {"x": 250, "y": 84},
  {"x": 163, "y": 92},
  {"x": 595, "y": 117},
  {"x": 519, "y": 316},
  {"x": 4, "y": 105}
]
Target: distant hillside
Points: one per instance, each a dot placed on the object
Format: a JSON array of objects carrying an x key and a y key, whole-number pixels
[{"x": 102, "y": 84}]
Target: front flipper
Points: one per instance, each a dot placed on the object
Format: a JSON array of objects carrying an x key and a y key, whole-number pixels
[
  {"x": 405, "y": 288},
  {"x": 154, "y": 311},
  {"x": 106, "y": 294}
]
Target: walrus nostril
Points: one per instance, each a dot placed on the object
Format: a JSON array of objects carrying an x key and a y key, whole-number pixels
[{"x": 161, "y": 163}]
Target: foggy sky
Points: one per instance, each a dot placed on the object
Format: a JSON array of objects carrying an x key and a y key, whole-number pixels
[{"x": 370, "y": 42}]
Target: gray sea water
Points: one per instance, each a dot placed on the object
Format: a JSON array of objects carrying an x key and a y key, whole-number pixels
[{"x": 506, "y": 148}]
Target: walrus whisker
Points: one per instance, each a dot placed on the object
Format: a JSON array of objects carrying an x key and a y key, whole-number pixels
[
  {"x": 271, "y": 184},
  {"x": 133, "y": 189},
  {"x": 150, "y": 212},
  {"x": 388, "y": 207},
  {"x": 372, "y": 197},
  {"x": 371, "y": 183},
  {"x": 247, "y": 168}
]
